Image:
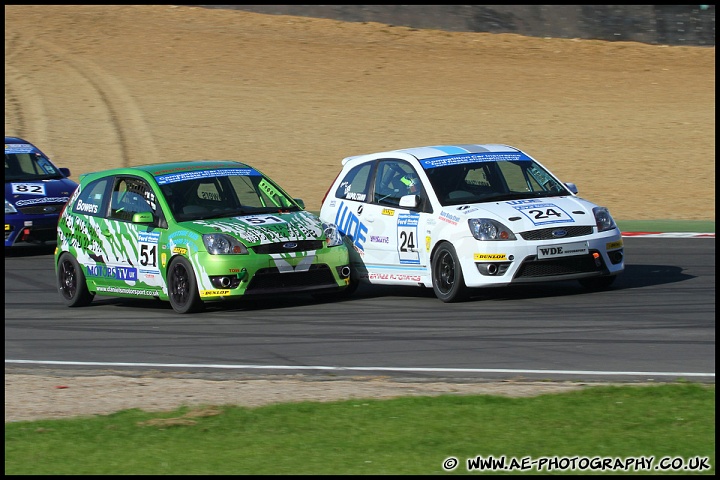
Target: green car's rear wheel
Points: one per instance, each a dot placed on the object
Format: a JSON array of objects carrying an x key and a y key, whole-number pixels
[{"x": 71, "y": 282}]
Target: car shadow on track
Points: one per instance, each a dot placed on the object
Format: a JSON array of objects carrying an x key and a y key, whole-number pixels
[
  {"x": 30, "y": 250},
  {"x": 635, "y": 276}
]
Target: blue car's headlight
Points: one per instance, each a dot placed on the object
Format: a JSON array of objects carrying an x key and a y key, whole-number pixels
[
  {"x": 487, "y": 229},
  {"x": 603, "y": 219},
  {"x": 9, "y": 207},
  {"x": 222, "y": 244},
  {"x": 332, "y": 235}
]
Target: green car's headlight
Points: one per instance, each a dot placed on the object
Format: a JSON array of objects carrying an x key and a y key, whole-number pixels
[
  {"x": 332, "y": 235},
  {"x": 487, "y": 229},
  {"x": 222, "y": 244}
]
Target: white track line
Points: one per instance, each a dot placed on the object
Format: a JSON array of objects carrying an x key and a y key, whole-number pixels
[{"x": 362, "y": 369}]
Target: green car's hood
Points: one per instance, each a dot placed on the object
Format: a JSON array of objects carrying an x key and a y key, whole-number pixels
[{"x": 263, "y": 228}]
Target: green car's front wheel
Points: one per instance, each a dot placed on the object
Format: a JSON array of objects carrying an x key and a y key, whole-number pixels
[
  {"x": 71, "y": 282},
  {"x": 182, "y": 287}
]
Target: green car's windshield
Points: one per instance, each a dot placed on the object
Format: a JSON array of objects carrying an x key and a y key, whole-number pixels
[
  {"x": 216, "y": 196},
  {"x": 487, "y": 181},
  {"x": 29, "y": 167}
]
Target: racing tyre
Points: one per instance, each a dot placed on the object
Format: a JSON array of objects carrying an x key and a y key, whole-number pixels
[
  {"x": 447, "y": 278},
  {"x": 71, "y": 282},
  {"x": 597, "y": 283},
  {"x": 182, "y": 287}
]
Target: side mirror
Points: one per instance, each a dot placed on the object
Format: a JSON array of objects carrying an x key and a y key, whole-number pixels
[
  {"x": 143, "y": 217},
  {"x": 300, "y": 202},
  {"x": 65, "y": 171},
  {"x": 409, "y": 201},
  {"x": 573, "y": 188}
]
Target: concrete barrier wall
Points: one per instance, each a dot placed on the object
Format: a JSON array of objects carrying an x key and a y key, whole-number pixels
[{"x": 692, "y": 25}]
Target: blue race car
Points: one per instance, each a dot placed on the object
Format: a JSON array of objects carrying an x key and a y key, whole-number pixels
[{"x": 35, "y": 193}]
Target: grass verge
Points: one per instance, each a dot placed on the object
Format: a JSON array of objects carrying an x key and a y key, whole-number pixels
[{"x": 409, "y": 435}]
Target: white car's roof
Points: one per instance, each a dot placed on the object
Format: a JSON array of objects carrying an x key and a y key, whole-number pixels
[{"x": 435, "y": 151}]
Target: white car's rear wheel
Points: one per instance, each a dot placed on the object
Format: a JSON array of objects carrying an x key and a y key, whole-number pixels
[{"x": 447, "y": 278}]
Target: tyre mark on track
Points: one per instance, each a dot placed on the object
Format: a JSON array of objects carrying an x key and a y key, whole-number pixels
[
  {"x": 24, "y": 109},
  {"x": 127, "y": 117},
  {"x": 120, "y": 112}
]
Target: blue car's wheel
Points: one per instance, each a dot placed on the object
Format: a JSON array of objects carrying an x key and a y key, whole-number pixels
[
  {"x": 182, "y": 287},
  {"x": 71, "y": 282}
]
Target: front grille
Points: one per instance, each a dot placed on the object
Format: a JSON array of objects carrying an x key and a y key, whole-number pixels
[
  {"x": 552, "y": 267},
  {"x": 546, "y": 233},
  {"x": 270, "y": 280},
  {"x": 43, "y": 209},
  {"x": 279, "y": 247}
]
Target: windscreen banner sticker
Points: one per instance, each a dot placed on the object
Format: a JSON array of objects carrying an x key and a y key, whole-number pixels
[
  {"x": 19, "y": 148},
  {"x": 473, "y": 158},
  {"x": 28, "y": 189},
  {"x": 407, "y": 232},
  {"x": 541, "y": 213},
  {"x": 220, "y": 172}
]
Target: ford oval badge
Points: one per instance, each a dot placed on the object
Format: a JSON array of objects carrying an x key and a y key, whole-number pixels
[
  {"x": 560, "y": 232},
  {"x": 289, "y": 245}
]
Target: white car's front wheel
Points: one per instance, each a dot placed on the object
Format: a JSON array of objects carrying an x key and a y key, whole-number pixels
[{"x": 447, "y": 278}]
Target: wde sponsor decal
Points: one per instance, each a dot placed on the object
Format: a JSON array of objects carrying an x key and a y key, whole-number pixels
[{"x": 349, "y": 224}]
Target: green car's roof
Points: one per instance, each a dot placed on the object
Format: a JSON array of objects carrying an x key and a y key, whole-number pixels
[{"x": 156, "y": 169}]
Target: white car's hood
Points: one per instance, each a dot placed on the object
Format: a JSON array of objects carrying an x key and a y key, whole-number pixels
[{"x": 530, "y": 214}]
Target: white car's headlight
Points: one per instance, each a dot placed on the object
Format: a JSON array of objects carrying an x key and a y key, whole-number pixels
[
  {"x": 222, "y": 244},
  {"x": 332, "y": 235},
  {"x": 9, "y": 207},
  {"x": 487, "y": 229},
  {"x": 603, "y": 219}
]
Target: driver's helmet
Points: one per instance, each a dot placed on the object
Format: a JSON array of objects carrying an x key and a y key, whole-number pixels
[{"x": 412, "y": 182}]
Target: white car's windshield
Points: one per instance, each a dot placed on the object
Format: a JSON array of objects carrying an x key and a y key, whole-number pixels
[{"x": 486, "y": 181}]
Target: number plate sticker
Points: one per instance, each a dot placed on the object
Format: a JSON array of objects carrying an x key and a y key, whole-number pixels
[
  {"x": 28, "y": 188},
  {"x": 563, "y": 250}
]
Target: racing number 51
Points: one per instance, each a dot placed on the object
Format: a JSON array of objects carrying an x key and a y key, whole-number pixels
[{"x": 148, "y": 255}]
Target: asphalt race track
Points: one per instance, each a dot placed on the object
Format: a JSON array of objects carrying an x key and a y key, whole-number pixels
[{"x": 657, "y": 323}]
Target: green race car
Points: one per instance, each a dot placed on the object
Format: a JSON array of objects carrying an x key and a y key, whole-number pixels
[{"x": 191, "y": 232}]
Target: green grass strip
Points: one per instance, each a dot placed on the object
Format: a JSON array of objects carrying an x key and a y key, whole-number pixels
[{"x": 409, "y": 435}]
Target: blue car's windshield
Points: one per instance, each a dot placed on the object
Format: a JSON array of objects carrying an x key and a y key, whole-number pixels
[
  {"x": 29, "y": 167},
  {"x": 488, "y": 181}
]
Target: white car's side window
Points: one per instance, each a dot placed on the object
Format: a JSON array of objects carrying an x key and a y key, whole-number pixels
[{"x": 356, "y": 183}]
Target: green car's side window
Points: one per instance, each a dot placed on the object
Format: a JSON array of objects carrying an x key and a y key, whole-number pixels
[
  {"x": 91, "y": 200},
  {"x": 129, "y": 196}
]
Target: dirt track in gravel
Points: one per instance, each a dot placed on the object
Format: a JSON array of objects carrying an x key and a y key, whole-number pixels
[{"x": 632, "y": 125}]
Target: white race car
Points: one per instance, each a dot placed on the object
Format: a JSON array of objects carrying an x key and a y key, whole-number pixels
[{"x": 455, "y": 217}]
